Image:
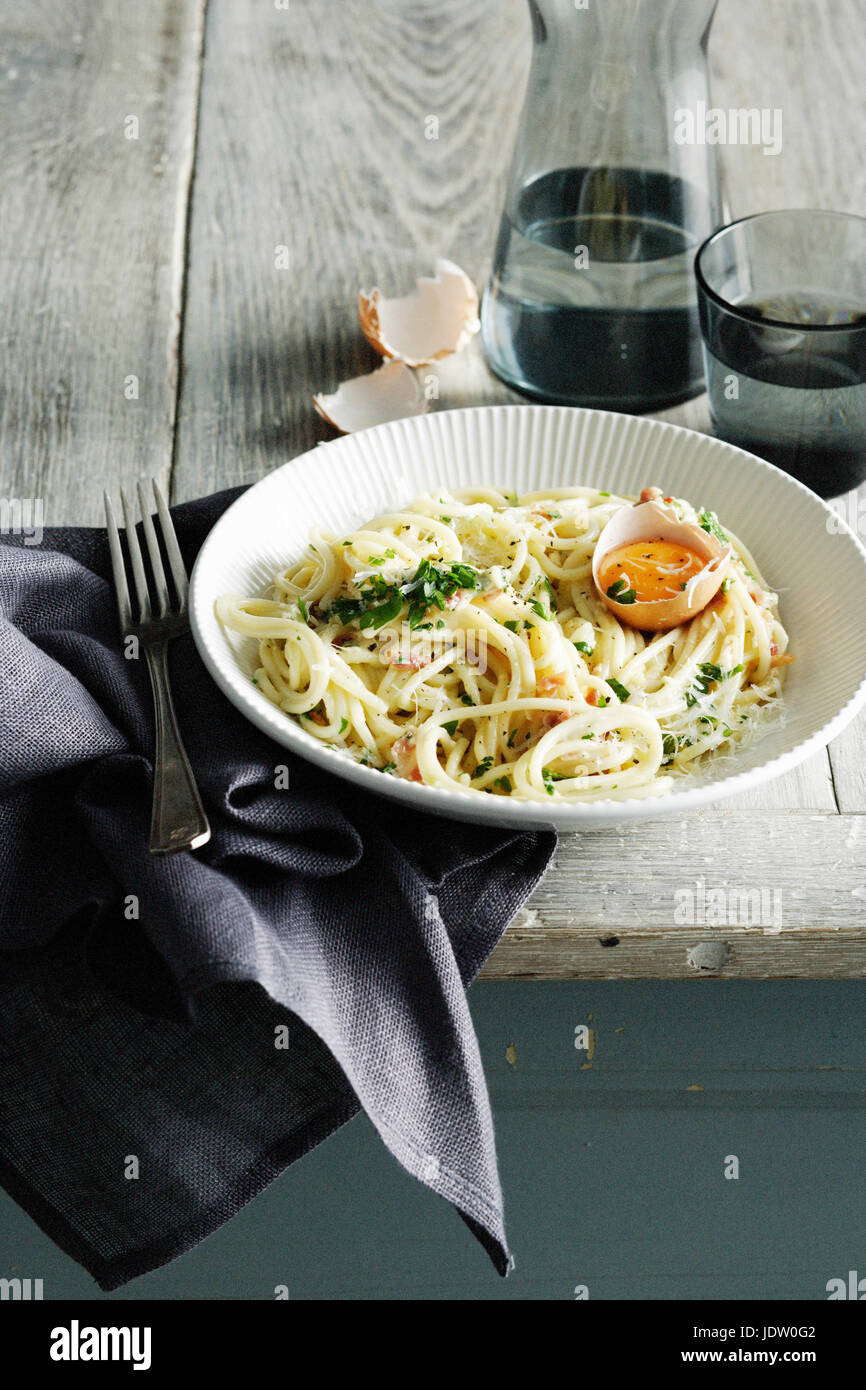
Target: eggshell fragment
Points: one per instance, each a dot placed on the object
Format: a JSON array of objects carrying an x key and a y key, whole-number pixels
[
  {"x": 649, "y": 521},
  {"x": 391, "y": 392},
  {"x": 438, "y": 318}
]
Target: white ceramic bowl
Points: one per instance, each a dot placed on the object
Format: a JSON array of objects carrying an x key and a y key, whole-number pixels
[{"x": 806, "y": 553}]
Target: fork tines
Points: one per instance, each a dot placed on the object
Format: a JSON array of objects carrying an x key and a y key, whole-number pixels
[{"x": 153, "y": 600}]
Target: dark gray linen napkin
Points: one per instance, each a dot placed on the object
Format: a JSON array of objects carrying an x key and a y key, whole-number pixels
[{"x": 173, "y": 1032}]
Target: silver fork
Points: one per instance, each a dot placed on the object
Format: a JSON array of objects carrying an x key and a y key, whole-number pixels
[{"x": 178, "y": 821}]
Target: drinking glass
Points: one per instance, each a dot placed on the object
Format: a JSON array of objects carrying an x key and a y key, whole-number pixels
[{"x": 782, "y": 303}]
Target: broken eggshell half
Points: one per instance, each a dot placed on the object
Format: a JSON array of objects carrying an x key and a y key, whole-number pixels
[
  {"x": 391, "y": 392},
  {"x": 437, "y": 319},
  {"x": 650, "y": 521}
]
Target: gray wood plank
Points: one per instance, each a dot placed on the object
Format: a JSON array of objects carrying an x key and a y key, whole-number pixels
[
  {"x": 91, "y": 242},
  {"x": 313, "y": 138},
  {"x": 806, "y": 60},
  {"x": 848, "y": 759},
  {"x": 786, "y": 896},
  {"x": 808, "y": 788},
  {"x": 672, "y": 955}
]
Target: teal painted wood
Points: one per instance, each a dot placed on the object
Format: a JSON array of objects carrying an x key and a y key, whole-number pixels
[{"x": 613, "y": 1175}]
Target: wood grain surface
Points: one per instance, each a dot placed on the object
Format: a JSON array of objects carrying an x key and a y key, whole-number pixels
[
  {"x": 712, "y": 895},
  {"x": 172, "y": 301},
  {"x": 97, "y": 110}
]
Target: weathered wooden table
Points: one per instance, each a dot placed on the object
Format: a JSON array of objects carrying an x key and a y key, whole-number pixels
[{"x": 194, "y": 193}]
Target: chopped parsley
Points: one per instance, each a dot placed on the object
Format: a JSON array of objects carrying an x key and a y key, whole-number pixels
[
  {"x": 512, "y": 624},
  {"x": 620, "y": 592},
  {"x": 381, "y": 602},
  {"x": 619, "y": 690},
  {"x": 585, "y": 648},
  {"x": 700, "y": 686},
  {"x": 304, "y": 613},
  {"x": 451, "y": 727},
  {"x": 432, "y": 584},
  {"x": 708, "y": 673},
  {"x": 378, "y": 614},
  {"x": 551, "y": 595},
  {"x": 484, "y": 766},
  {"x": 548, "y": 778},
  {"x": 344, "y": 724},
  {"x": 710, "y": 522},
  {"x": 504, "y": 783}
]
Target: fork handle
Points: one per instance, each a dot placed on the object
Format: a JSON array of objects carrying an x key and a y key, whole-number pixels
[{"x": 179, "y": 821}]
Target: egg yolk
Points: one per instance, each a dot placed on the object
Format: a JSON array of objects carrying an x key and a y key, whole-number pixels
[{"x": 654, "y": 569}]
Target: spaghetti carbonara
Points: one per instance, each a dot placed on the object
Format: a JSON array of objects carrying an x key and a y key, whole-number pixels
[{"x": 460, "y": 643}]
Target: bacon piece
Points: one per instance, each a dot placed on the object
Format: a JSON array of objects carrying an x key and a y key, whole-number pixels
[
  {"x": 549, "y": 685},
  {"x": 551, "y": 718},
  {"x": 540, "y": 721},
  {"x": 408, "y": 661},
  {"x": 591, "y": 696},
  {"x": 536, "y": 724},
  {"x": 406, "y": 758},
  {"x": 652, "y": 494}
]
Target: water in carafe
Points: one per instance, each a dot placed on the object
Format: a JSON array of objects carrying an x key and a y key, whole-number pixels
[{"x": 592, "y": 299}]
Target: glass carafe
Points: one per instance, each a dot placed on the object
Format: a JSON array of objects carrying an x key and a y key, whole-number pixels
[{"x": 612, "y": 190}]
